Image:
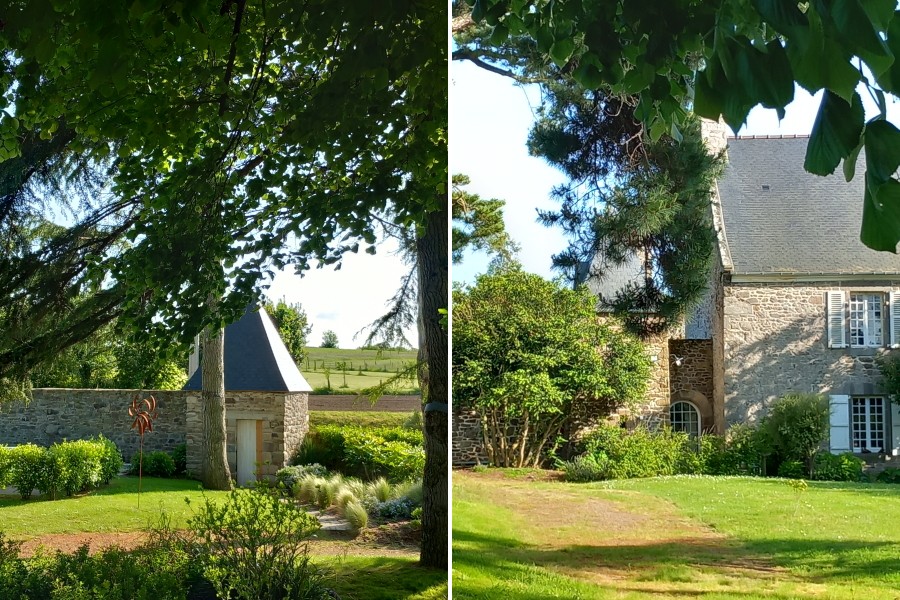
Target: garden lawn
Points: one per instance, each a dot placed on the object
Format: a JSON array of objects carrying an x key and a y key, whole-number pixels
[
  {"x": 108, "y": 509},
  {"x": 361, "y": 418},
  {"x": 385, "y": 578},
  {"x": 675, "y": 537},
  {"x": 356, "y": 382}
]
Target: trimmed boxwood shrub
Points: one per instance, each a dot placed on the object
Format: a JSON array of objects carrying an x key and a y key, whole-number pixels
[
  {"x": 156, "y": 464},
  {"x": 179, "y": 457},
  {"x": 5, "y": 465},
  {"x": 28, "y": 468}
]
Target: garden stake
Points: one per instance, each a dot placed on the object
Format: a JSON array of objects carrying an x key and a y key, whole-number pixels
[{"x": 143, "y": 421}]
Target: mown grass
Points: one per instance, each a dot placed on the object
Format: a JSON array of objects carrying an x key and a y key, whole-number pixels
[
  {"x": 384, "y": 361},
  {"x": 356, "y": 382},
  {"x": 111, "y": 508},
  {"x": 674, "y": 537},
  {"x": 384, "y": 578},
  {"x": 359, "y": 418}
]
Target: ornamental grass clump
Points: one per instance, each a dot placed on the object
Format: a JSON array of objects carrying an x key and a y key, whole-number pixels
[
  {"x": 381, "y": 489},
  {"x": 356, "y": 515}
]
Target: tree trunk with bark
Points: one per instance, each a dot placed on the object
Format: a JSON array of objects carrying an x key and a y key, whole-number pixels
[
  {"x": 215, "y": 473},
  {"x": 432, "y": 254}
]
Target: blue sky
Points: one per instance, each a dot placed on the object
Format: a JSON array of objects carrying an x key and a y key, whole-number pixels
[{"x": 489, "y": 121}]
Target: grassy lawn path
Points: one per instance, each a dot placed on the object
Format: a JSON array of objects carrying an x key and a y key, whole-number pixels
[{"x": 722, "y": 538}]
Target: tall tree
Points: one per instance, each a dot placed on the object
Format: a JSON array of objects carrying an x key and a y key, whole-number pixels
[
  {"x": 720, "y": 59},
  {"x": 293, "y": 326},
  {"x": 478, "y": 223},
  {"x": 236, "y": 127}
]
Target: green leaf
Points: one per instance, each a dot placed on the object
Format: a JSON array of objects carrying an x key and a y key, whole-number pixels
[
  {"x": 707, "y": 97},
  {"x": 882, "y": 150},
  {"x": 500, "y": 34},
  {"x": 859, "y": 35},
  {"x": 851, "y": 160},
  {"x": 881, "y": 215},
  {"x": 880, "y": 12},
  {"x": 783, "y": 16},
  {"x": 818, "y": 61},
  {"x": 835, "y": 133},
  {"x": 588, "y": 76},
  {"x": 561, "y": 50}
]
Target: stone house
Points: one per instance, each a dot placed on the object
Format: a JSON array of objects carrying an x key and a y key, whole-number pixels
[{"x": 796, "y": 302}]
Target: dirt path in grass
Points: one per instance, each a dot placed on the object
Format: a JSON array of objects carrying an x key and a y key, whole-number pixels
[
  {"x": 609, "y": 536},
  {"x": 368, "y": 545}
]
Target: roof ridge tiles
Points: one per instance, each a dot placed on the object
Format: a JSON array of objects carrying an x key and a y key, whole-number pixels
[{"x": 792, "y": 136}]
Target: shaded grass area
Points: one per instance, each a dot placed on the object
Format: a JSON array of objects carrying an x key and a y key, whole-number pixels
[
  {"x": 363, "y": 419},
  {"x": 385, "y": 578},
  {"x": 674, "y": 538},
  {"x": 111, "y": 508}
]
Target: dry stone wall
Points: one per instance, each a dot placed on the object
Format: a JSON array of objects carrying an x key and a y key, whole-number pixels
[
  {"x": 54, "y": 415},
  {"x": 57, "y": 414},
  {"x": 467, "y": 445},
  {"x": 775, "y": 341}
]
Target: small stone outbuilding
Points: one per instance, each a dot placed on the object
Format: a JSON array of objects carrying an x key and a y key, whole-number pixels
[{"x": 266, "y": 401}]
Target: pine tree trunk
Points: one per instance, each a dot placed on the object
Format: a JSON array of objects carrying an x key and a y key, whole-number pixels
[
  {"x": 432, "y": 255},
  {"x": 215, "y": 473}
]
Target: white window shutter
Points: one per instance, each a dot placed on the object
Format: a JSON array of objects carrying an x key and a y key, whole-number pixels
[
  {"x": 836, "y": 331},
  {"x": 839, "y": 440},
  {"x": 895, "y": 319},
  {"x": 895, "y": 427}
]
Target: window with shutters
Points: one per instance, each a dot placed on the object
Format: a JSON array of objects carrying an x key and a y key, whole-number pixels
[{"x": 866, "y": 320}]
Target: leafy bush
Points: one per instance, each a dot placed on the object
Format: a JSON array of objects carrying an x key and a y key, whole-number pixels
[
  {"x": 792, "y": 469},
  {"x": 179, "y": 457},
  {"x": 837, "y": 467},
  {"x": 395, "y": 509},
  {"x": 72, "y": 467},
  {"x": 253, "y": 544},
  {"x": 110, "y": 459},
  {"x": 889, "y": 475},
  {"x": 742, "y": 452},
  {"x": 415, "y": 421},
  {"x": 586, "y": 468},
  {"x": 392, "y": 452},
  {"x": 28, "y": 468},
  {"x": 5, "y": 466},
  {"x": 155, "y": 464},
  {"x": 796, "y": 427},
  {"x": 638, "y": 453},
  {"x": 113, "y": 574}
]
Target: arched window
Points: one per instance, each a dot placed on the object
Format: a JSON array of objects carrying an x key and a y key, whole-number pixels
[{"x": 684, "y": 416}]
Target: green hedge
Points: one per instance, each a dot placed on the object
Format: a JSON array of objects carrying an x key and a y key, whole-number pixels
[
  {"x": 395, "y": 453},
  {"x": 64, "y": 468}
]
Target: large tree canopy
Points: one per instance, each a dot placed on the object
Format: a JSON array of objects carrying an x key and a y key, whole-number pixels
[
  {"x": 723, "y": 58},
  {"x": 525, "y": 349},
  {"x": 229, "y": 138}
]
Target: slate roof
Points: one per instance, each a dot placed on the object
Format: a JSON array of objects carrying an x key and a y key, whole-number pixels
[
  {"x": 613, "y": 278},
  {"x": 801, "y": 223},
  {"x": 256, "y": 359}
]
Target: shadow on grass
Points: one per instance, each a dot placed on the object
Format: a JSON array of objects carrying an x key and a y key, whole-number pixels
[
  {"x": 819, "y": 561},
  {"x": 385, "y": 578}
]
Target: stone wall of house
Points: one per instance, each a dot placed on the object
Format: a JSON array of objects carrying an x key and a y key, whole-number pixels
[
  {"x": 54, "y": 415},
  {"x": 775, "y": 341},
  {"x": 405, "y": 403},
  {"x": 693, "y": 379}
]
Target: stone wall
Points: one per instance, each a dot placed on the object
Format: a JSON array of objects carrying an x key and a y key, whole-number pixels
[
  {"x": 54, "y": 415},
  {"x": 693, "y": 379},
  {"x": 57, "y": 414},
  {"x": 467, "y": 447},
  {"x": 775, "y": 341},
  {"x": 356, "y": 403}
]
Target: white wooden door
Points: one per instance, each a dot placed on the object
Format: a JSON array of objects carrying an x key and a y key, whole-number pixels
[
  {"x": 246, "y": 451},
  {"x": 868, "y": 423}
]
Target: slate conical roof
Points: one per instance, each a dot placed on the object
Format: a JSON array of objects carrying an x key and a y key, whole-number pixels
[{"x": 255, "y": 358}]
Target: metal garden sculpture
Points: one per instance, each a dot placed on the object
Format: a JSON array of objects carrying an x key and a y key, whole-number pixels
[{"x": 143, "y": 413}]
